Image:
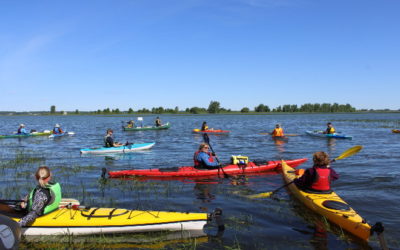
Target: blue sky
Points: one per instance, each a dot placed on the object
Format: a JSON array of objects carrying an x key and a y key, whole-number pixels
[{"x": 91, "y": 55}]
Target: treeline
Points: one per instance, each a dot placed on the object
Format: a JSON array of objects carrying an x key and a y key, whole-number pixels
[{"x": 215, "y": 107}]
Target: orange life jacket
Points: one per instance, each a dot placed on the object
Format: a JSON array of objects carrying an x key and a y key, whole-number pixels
[{"x": 277, "y": 132}]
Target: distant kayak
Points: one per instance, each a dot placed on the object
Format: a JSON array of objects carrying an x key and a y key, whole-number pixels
[
  {"x": 60, "y": 135},
  {"x": 121, "y": 149},
  {"x": 190, "y": 171},
  {"x": 164, "y": 126},
  {"x": 321, "y": 134},
  {"x": 396, "y": 130},
  {"x": 213, "y": 131},
  {"x": 46, "y": 132}
]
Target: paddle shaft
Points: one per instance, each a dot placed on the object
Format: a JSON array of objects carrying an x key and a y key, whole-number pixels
[{"x": 207, "y": 140}]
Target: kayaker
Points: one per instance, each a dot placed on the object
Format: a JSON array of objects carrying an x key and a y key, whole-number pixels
[
  {"x": 204, "y": 159},
  {"x": 158, "y": 122},
  {"x": 330, "y": 129},
  {"x": 109, "y": 140},
  {"x": 318, "y": 178},
  {"x": 57, "y": 129},
  {"x": 204, "y": 126},
  {"x": 278, "y": 131},
  {"x": 21, "y": 129},
  {"x": 43, "y": 199},
  {"x": 131, "y": 124}
]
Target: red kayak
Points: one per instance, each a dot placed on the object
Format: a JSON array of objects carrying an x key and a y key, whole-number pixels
[
  {"x": 211, "y": 131},
  {"x": 190, "y": 171}
]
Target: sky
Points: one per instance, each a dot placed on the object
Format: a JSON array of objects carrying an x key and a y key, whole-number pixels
[{"x": 98, "y": 54}]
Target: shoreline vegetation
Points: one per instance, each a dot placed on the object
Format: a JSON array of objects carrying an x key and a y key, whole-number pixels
[{"x": 213, "y": 108}]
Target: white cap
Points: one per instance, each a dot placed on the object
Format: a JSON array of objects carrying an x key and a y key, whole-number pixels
[
  {"x": 57, "y": 125},
  {"x": 22, "y": 125}
]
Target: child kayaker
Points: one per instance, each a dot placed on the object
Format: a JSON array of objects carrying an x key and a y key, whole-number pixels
[
  {"x": 330, "y": 129},
  {"x": 318, "y": 178},
  {"x": 43, "y": 199},
  {"x": 204, "y": 126},
  {"x": 158, "y": 122},
  {"x": 204, "y": 159},
  {"x": 21, "y": 129}
]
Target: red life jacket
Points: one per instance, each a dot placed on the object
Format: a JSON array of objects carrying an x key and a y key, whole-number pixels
[
  {"x": 277, "y": 132},
  {"x": 322, "y": 179},
  {"x": 196, "y": 162}
]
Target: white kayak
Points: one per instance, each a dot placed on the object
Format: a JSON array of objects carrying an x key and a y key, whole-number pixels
[{"x": 121, "y": 149}]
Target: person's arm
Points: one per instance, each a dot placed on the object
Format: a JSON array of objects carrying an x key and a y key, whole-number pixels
[
  {"x": 334, "y": 175},
  {"x": 203, "y": 157},
  {"x": 40, "y": 201}
]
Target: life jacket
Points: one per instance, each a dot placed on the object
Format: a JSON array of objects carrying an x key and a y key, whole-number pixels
[
  {"x": 198, "y": 163},
  {"x": 277, "y": 132},
  {"x": 57, "y": 131},
  {"x": 106, "y": 143},
  {"x": 53, "y": 193},
  {"x": 19, "y": 130},
  {"x": 322, "y": 179},
  {"x": 330, "y": 130},
  {"x": 204, "y": 128}
]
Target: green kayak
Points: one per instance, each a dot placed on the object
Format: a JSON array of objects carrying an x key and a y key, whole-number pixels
[
  {"x": 46, "y": 132},
  {"x": 164, "y": 126}
]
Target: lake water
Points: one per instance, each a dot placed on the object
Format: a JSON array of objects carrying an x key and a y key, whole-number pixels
[{"x": 368, "y": 180}]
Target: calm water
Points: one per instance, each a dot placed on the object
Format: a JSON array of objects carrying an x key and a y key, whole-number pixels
[{"x": 368, "y": 182}]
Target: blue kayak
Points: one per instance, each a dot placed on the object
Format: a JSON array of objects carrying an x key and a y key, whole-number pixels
[
  {"x": 321, "y": 134},
  {"x": 122, "y": 149}
]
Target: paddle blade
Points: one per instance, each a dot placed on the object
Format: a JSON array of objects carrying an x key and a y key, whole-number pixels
[
  {"x": 260, "y": 195},
  {"x": 349, "y": 152}
]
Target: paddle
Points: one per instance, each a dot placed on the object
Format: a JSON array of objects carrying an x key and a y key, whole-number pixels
[
  {"x": 345, "y": 154},
  {"x": 207, "y": 140},
  {"x": 284, "y": 135}
]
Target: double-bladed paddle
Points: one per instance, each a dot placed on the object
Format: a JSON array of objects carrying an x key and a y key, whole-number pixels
[
  {"x": 207, "y": 140},
  {"x": 345, "y": 154}
]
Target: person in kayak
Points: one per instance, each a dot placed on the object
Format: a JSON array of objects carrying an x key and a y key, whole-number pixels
[
  {"x": 109, "y": 140},
  {"x": 204, "y": 127},
  {"x": 318, "y": 178},
  {"x": 158, "y": 122},
  {"x": 131, "y": 124},
  {"x": 204, "y": 159},
  {"x": 43, "y": 199},
  {"x": 21, "y": 129},
  {"x": 278, "y": 131},
  {"x": 57, "y": 129},
  {"x": 330, "y": 129}
]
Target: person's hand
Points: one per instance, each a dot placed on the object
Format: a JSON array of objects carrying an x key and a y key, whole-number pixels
[{"x": 213, "y": 154}]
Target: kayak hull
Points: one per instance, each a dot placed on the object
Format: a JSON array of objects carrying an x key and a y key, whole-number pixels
[
  {"x": 88, "y": 221},
  {"x": 214, "y": 131},
  {"x": 347, "y": 219},
  {"x": 122, "y": 149},
  {"x": 25, "y": 135},
  {"x": 396, "y": 130},
  {"x": 320, "y": 134},
  {"x": 190, "y": 171},
  {"x": 164, "y": 126}
]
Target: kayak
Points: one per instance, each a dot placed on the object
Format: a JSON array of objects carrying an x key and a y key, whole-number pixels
[
  {"x": 320, "y": 134},
  {"x": 396, "y": 130},
  {"x": 80, "y": 220},
  {"x": 164, "y": 126},
  {"x": 46, "y": 132},
  {"x": 60, "y": 135},
  {"x": 214, "y": 131},
  {"x": 190, "y": 171},
  {"x": 121, "y": 149},
  {"x": 331, "y": 206}
]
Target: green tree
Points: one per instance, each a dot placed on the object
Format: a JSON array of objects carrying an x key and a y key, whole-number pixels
[
  {"x": 52, "y": 109},
  {"x": 262, "y": 108},
  {"x": 214, "y": 107},
  {"x": 130, "y": 111},
  {"x": 176, "y": 110},
  {"x": 245, "y": 110},
  {"x": 77, "y": 112}
]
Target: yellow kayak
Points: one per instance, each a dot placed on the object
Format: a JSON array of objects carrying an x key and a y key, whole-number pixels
[
  {"x": 78, "y": 220},
  {"x": 330, "y": 206}
]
